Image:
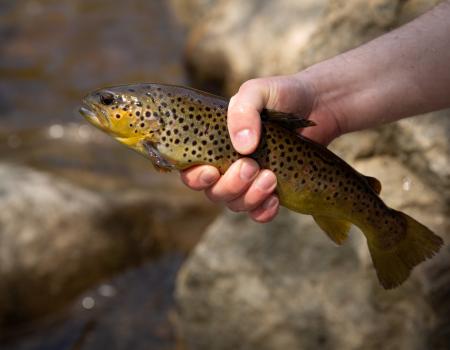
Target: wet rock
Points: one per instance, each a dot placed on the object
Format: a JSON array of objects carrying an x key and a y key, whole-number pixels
[
  {"x": 58, "y": 238},
  {"x": 285, "y": 285},
  {"x": 134, "y": 310}
]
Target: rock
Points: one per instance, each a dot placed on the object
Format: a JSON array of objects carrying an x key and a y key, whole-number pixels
[
  {"x": 301, "y": 34},
  {"x": 189, "y": 12},
  {"x": 423, "y": 143},
  {"x": 234, "y": 41},
  {"x": 57, "y": 238},
  {"x": 357, "y": 145},
  {"x": 285, "y": 285},
  {"x": 133, "y": 310},
  {"x": 238, "y": 40}
]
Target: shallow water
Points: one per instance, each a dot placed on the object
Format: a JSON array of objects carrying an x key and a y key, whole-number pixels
[{"x": 53, "y": 52}]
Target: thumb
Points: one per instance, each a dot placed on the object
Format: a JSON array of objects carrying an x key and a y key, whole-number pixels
[{"x": 244, "y": 123}]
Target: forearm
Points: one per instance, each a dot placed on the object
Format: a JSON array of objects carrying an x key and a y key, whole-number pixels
[{"x": 403, "y": 73}]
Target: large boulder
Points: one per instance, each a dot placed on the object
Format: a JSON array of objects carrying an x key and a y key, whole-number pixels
[
  {"x": 58, "y": 238},
  {"x": 285, "y": 285}
]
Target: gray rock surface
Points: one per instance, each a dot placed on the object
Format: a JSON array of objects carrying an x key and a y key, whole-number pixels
[
  {"x": 285, "y": 285},
  {"x": 424, "y": 144},
  {"x": 57, "y": 238},
  {"x": 231, "y": 41}
]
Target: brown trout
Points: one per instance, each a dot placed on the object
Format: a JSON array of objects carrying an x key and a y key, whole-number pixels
[{"x": 177, "y": 127}]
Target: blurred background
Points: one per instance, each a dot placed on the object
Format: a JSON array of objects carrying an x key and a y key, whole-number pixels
[{"x": 97, "y": 250}]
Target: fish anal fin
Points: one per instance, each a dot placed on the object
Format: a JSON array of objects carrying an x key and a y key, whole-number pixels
[
  {"x": 374, "y": 183},
  {"x": 287, "y": 120},
  {"x": 336, "y": 229}
]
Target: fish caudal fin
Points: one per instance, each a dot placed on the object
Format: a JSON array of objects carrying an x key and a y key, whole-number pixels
[
  {"x": 394, "y": 265},
  {"x": 336, "y": 229}
]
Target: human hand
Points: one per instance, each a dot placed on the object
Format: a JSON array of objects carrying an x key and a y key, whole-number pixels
[{"x": 245, "y": 187}]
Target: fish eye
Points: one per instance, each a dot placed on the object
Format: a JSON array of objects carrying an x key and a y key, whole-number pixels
[{"x": 106, "y": 98}]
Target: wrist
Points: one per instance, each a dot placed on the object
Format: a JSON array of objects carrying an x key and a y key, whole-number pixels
[{"x": 331, "y": 91}]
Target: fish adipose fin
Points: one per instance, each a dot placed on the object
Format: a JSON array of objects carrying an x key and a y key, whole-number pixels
[
  {"x": 336, "y": 229},
  {"x": 287, "y": 120},
  {"x": 374, "y": 183},
  {"x": 394, "y": 265}
]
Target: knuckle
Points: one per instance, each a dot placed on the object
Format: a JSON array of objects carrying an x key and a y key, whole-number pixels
[
  {"x": 231, "y": 195},
  {"x": 211, "y": 196},
  {"x": 234, "y": 208},
  {"x": 250, "y": 84}
]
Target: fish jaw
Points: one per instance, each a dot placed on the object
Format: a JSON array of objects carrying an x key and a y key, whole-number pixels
[
  {"x": 90, "y": 116},
  {"x": 94, "y": 117}
]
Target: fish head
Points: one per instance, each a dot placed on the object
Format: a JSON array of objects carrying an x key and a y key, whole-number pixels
[{"x": 124, "y": 113}]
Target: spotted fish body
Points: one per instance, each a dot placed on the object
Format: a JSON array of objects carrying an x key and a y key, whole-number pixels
[{"x": 177, "y": 127}]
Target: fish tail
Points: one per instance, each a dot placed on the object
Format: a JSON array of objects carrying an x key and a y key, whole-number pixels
[{"x": 394, "y": 264}]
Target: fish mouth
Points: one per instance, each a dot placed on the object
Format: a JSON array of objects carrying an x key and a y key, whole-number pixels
[{"x": 92, "y": 116}]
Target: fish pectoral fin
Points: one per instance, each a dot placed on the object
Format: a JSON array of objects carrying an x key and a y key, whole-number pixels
[
  {"x": 374, "y": 183},
  {"x": 336, "y": 229},
  {"x": 158, "y": 161},
  {"x": 287, "y": 120}
]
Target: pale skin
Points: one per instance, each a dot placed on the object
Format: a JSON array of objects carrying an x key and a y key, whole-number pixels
[{"x": 400, "y": 74}]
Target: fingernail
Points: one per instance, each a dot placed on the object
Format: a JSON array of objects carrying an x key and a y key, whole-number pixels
[
  {"x": 248, "y": 170},
  {"x": 270, "y": 203},
  {"x": 265, "y": 181},
  {"x": 207, "y": 177},
  {"x": 244, "y": 139}
]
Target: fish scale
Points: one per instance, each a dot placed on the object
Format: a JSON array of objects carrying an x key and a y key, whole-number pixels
[{"x": 177, "y": 128}]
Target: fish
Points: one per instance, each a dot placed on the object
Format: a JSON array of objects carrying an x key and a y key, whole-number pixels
[{"x": 178, "y": 127}]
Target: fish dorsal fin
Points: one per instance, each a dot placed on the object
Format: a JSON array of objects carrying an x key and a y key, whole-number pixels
[
  {"x": 336, "y": 229},
  {"x": 374, "y": 183},
  {"x": 287, "y": 120}
]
